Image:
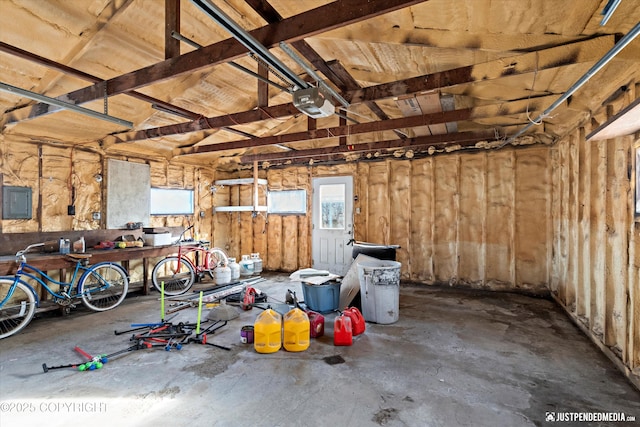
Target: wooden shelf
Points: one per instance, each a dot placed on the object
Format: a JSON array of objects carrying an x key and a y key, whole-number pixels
[
  {"x": 239, "y": 181},
  {"x": 243, "y": 181},
  {"x": 241, "y": 208}
]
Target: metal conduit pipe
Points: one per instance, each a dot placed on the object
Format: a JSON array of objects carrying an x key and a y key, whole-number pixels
[
  {"x": 176, "y": 35},
  {"x": 622, "y": 43},
  {"x": 248, "y": 41},
  {"x": 190, "y": 42}
]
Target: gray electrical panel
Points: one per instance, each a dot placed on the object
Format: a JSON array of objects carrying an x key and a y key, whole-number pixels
[{"x": 16, "y": 202}]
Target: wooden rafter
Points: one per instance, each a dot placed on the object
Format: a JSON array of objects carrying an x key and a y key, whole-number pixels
[
  {"x": 321, "y": 19},
  {"x": 440, "y": 141},
  {"x": 554, "y": 58},
  {"x": 336, "y": 131},
  {"x": 171, "y": 23},
  {"x": 205, "y": 124},
  {"x": 265, "y": 10},
  {"x": 20, "y": 53}
]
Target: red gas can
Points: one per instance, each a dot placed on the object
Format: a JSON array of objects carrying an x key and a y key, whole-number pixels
[
  {"x": 342, "y": 332},
  {"x": 357, "y": 320},
  {"x": 316, "y": 324}
]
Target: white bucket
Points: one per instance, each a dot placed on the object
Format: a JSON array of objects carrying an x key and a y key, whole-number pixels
[{"x": 380, "y": 290}]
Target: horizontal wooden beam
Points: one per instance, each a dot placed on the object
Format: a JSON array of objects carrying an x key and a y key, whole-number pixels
[
  {"x": 556, "y": 57},
  {"x": 437, "y": 141},
  {"x": 572, "y": 53},
  {"x": 21, "y": 53},
  {"x": 207, "y": 124},
  {"x": 333, "y": 132},
  {"x": 321, "y": 19}
]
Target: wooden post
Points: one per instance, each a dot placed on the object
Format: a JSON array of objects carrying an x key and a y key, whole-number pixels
[{"x": 255, "y": 185}]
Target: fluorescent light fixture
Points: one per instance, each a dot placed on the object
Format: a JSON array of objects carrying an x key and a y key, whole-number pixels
[
  {"x": 4, "y": 87},
  {"x": 171, "y": 111}
]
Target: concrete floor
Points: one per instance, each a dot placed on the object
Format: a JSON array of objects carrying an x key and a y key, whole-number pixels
[{"x": 454, "y": 358}]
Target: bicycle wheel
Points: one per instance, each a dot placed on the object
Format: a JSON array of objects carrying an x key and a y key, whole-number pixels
[
  {"x": 212, "y": 262},
  {"x": 215, "y": 256},
  {"x": 177, "y": 274},
  {"x": 104, "y": 286},
  {"x": 17, "y": 309}
]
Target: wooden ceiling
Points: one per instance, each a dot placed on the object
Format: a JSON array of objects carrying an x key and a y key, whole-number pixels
[{"x": 420, "y": 77}]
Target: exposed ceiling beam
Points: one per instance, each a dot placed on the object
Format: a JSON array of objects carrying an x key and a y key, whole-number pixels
[
  {"x": 171, "y": 24},
  {"x": 309, "y": 23},
  {"x": 569, "y": 54},
  {"x": 4, "y": 87},
  {"x": 89, "y": 34},
  {"x": 333, "y": 132},
  {"x": 265, "y": 10},
  {"x": 351, "y": 84},
  {"x": 556, "y": 57},
  {"x": 437, "y": 141},
  {"x": 204, "y": 124},
  {"x": 20, "y": 53},
  {"x": 342, "y": 80}
]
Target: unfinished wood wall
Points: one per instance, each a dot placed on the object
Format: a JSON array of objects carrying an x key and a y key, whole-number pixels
[
  {"x": 479, "y": 220},
  {"x": 596, "y": 247},
  {"x": 60, "y": 177},
  {"x": 283, "y": 241}
]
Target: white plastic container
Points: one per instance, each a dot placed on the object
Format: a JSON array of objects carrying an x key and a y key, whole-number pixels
[
  {"x": 157, "y": 239},
  {"x": 246, "y": 266},
  {"x": 222, "y": 275},
  {"x": 257, "y": 263},
  {"x": 380, "y": 290},
  {"x": 235, "y": 269}
]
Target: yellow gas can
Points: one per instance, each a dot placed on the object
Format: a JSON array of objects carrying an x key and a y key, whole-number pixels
[
  {"x": 296, "y": 330},
  {"x": 267, "y": 332}
]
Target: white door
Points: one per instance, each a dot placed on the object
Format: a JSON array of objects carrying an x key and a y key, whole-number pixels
[{"x": 332, "y": 206}]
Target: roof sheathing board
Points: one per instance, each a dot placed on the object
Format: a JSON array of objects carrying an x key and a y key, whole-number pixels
[{"x": 108, "y": 38}]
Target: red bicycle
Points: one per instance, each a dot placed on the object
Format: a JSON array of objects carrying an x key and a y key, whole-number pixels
[{"x": 194, "y": 259}]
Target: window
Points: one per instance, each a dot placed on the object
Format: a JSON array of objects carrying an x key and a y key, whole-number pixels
[
  {"x": 332, "y": 205},
  {"x": 170, "y": 201},
  {"x": 287, "y": 202}
]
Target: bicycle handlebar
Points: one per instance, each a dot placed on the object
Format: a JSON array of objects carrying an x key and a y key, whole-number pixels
[
  {"x": 182, "y": 234},
  {"x": 21, "y": 253}
]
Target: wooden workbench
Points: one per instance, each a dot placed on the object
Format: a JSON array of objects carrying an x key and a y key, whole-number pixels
[{"x": 57, "y": 261}]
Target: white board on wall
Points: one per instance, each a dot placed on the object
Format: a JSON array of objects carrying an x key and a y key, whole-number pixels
[{"x": 128, "y": 193}]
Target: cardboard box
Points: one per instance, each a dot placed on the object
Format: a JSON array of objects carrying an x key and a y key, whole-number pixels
[{"x": 157, "y": 239}]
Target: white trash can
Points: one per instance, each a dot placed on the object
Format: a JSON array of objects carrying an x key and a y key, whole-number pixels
[{"x": 380, "y": 290}]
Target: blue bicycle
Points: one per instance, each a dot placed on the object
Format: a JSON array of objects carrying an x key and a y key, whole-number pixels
[{"x": 101, "y": 287}]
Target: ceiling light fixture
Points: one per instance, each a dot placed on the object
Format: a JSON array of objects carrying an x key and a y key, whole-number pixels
[
  {"x": 65, "y": 105},
  {"x": 172, "y": 111}
]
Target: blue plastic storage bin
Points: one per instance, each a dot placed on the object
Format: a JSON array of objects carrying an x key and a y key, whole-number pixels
[{"x": 322, "y": 298}]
